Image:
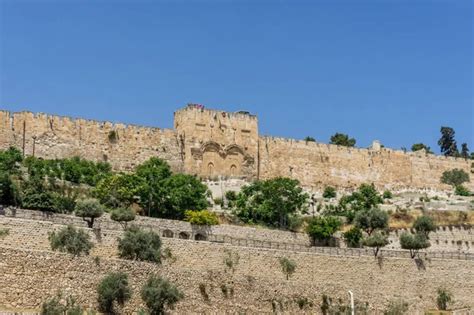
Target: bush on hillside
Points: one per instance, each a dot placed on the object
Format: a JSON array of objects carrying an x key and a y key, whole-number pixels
[
  {"x": 71, "y": 240},
  {"x": 138, "y": 244}
]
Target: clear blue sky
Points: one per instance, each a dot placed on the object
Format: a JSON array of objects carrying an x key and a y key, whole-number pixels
[{"x": 393, "y": 70}]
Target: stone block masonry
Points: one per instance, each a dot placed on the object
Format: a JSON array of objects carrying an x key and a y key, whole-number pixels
[{"x": 211, "y": 143}]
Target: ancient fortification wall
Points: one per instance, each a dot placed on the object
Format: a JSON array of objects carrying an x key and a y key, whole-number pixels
[
  {"x": 212, "y": 143},
  {"x": 317, "y": 165},
  {"x": 31, "y": 273},
  {"x": 51, "y": 137}
]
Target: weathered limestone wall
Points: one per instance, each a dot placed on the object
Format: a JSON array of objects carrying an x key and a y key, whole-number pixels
[
  {"x": 212, "y": 143},
  {"x": 29, "y": 277},
  {"x": 218, "y": 142},
  {"x": 317, "y": 165},
  {"x": 50, "y": 136}
]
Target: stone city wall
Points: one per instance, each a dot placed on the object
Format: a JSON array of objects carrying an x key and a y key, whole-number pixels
[
  {"x": 316, "y": 165},
  {"x": 211, "y": 143},
  {"x": 50, "y": 136}
]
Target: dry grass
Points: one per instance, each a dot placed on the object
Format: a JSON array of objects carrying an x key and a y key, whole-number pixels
[{"x": 442, "y": 218}]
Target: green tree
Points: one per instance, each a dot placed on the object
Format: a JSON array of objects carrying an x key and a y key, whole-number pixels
[
  {"x": 202, "y": 217},
  {"x": 444, "y": 298},
  {"x": 447, "y": 143},
  {"x": 183, "y": 192},
  {"x": 71, "y": 240},
  {"x": 371, "y": 219},
  {"x": 321, "y": 229},
  {"x": 309, "y": 139},
  {"x": 342, "y": 139},
  {"x": 364, "y": 198},
  {"x": 121, "y": 190},
  {"x": 424, "y": 225},
  {"x": 138, "y": 244},
  {"x": 329, "y": 192},
  {"x": 288, "y": 266},
  {"x": 421, "y": 146},
  {"x": 414, "y": 242},
  {"x": 455, "y": 177},
  {"x": 159, "y": 294},
  {"x": 113, "y": 288},
  {"x": 387, "y": 194},
  {"x": 271, "y": 202},
  {"x": 10, "y": 160},
  {"x": 89, "y": 210},
  {"x": 377, "y": 240},
  {"x": 122, "y": 216},
  {"x": 464, "y": 151},
  {"x": 353, "y": 237}
]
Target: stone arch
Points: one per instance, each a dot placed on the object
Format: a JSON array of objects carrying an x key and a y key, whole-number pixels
[
  {"x": 168, "y": 233},
  {"x": 200, "y": 237},
  {"x": 183, "y": 235}
]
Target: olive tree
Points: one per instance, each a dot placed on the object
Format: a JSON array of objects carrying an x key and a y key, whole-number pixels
[
  {"x": 424, "y": 225},
  {"x": 122, "y": 216},
  {"x": 71, "y": 240},
  {"x": 159, "y": 294},
  {"x": 455, "y": 177},
  {"x": 288, "y": 266},
  {"x": 414, "y": 242},
  {"x": 89, "y": 210},
  {"x": 321, "y": 229},
  {"x": 138, "y": 244},
  {"x": 114, "y": 287},
  {"x": 372, "y": 219},
  {"x": 377, "y": 240}
]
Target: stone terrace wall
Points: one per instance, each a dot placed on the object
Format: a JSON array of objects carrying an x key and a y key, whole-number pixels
[
  {"x": 29, "y": 277},
  {"x": 317, "y": 165},
  {"x": 59, "y": 137},
  {"x": 446, "y": 238}
]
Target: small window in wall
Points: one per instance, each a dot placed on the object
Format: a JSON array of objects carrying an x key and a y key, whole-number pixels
[
  {"x": 233, "y": 170},
  {"x": 200, "y": 237},
  {"x": 184, "y": 236},
  {"x": 210, "y": 168},
  {"x": 168, "y": 233}
]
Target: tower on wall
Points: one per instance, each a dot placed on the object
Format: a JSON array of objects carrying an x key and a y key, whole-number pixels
[{"x": 216, "y": 142}]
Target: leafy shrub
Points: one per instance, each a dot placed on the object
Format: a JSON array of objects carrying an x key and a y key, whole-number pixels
[
  {"x": 309, "y": 139},
  {"x": 113, "y": 288},
  {"x": 303, "y": 302},
  {"x": 454, "y": 177},
  {"x": 288, "y": 266},
  {"x": 413, "y": 242},
  {"x": 4, "y": 232},
  {"x": 159, "y": 294},
  {"x": 202, "y": 217},
  {"x": 342, "y": 139},
  {"x": 353, "y": 237},
  {"x": 321, "y": 229},
  {"x": 443, "y": 299},
  {"x": 122, "y": 215},
  {"x": 460, "y": 190},
  {"x": 137, "y": 244},
  {"x": 218, "y": 201},
  {"x": 71, "y": 240},
  {"x": 387, "y": 194},
  {"x": 54, "y": 306},
  {"x": 396, "y": 307},
  {"x": 89, "y": 210},
  {"x": 329, "y": 192},
  {"x": 231, "y": 259}
]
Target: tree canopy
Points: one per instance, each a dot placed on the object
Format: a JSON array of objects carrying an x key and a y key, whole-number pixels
[
  {"x": 447, "y": 142},
  {"x": 138, "y": 244},
  {"x": 455, "y": 177},
  {"x": 271, "y": 202},
  {"x": 159, "y": 294},
  {"x": 114, "y": 287},
  {"x": 322, "y": 228},
  {"x": 342, "y": 139},
  {"x": 372, "y": 219},
  {"x": 71, "y": 240},
  {"x": 89, "y": 209}
]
